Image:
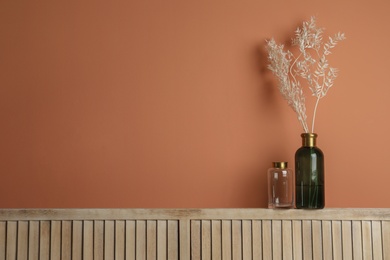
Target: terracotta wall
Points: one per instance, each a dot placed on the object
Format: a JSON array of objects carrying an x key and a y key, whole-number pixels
[{"x": 169, "y": 104}]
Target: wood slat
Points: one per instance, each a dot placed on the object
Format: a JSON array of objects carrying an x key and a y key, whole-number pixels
[
  {"x": 55, "y": 240},
  {"x": 151, "y": 239},
  {"x": 236, "y": 240},
  {"x": 3, "y": 228},
  {"x": 77, "y": 240},
  {"x": 195, "y": 240},
  {"x": 317, "y": 239},
  {"x": 206, "y": 239},
  {"x": 327, "y": 243},
  {"x": 173, "y": 239},
  {"x": 226, "y": 239},
  {"x": 44, "y": 240},
  {"x": 11, "y": 244},
  {"x": 140, "y": 239},
  {"x": 297, "y": 239},
  {"x": 267, "y": 239},
  {"x": 337, "y": 240},
  {"x": 376, "y": 232},
  {"x": 386, "y": 239},
  {"x": 347, "y": 239},
  {"x": 216, "y": 240},
  {"x": 287, "y": 240},
  {"x": 307, "y": 239},
  {"x": 33, "y": 240},
  {"x": 66, "y": 240},
  {"x": 162, "y": 239},
  {"x": 88, "y": 244},
  {"x": 367, "y": 240},
  {"x": 357, "y": 240},
  {"x": 257, "y": 239},
  {"x": 130, "y": 240},
  {"x": 120, "y": 240},
  {"x": 184, "y": 229},
  {"x": 98, "y": 240},
  {"x": 277, "y": 239},
  {"x": 22, "y": 239},
  {"x": 246, "y": 239},
  {"x": 109, "y": 239}
]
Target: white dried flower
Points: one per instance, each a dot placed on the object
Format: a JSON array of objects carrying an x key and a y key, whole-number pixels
[{"x": 311, "y": 64}]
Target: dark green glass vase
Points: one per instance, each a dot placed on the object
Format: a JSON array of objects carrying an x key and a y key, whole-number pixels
[{"x": 309, "y": 174}]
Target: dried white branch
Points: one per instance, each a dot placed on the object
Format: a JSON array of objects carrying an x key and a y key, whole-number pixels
[{"x": 311, "y": 65}]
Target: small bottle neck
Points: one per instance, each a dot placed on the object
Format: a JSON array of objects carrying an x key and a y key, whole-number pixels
[
  {"x": 309, "y": 139},
  {"x": 280, "y": 165}
]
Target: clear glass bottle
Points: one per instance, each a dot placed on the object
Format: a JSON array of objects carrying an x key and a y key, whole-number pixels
[
  {"x": 309, "y": 174},
  {"x": 280, "y": 186}
]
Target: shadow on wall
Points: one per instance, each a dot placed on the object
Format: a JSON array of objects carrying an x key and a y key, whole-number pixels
[
  {"x": 268, "y": 87},
  {"x": 273, "y": 107},
  {"x": 279, "y": 130},
  {"x": 272, "y": 142}
]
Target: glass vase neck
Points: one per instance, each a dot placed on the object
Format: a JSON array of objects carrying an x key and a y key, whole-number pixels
[
  {"x": 309, "y": 139},
  {"x": 280, "y": 165}
]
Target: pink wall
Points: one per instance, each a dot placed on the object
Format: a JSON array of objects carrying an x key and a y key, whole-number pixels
[{"x": 168, "y": 104}]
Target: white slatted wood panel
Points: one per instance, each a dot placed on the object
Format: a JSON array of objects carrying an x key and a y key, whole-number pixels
[
  {"x": 210, "y": 235},
  {"x": 96, "y": 239},
  {"x": 270, "y": 239}
]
